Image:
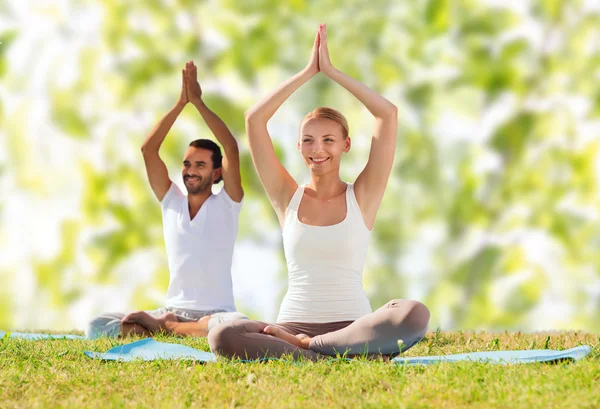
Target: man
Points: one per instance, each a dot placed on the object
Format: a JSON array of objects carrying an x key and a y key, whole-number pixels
[{"x": 199, "y": 229}]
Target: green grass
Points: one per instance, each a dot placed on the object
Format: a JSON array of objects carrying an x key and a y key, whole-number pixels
[{"x": 55, "y": 373}]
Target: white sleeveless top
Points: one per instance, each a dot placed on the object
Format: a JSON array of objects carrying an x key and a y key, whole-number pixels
[{"x": 325, "y": 266}]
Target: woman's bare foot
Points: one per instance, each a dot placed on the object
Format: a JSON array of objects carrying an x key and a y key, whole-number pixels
[
  {"x": 300, "y": 340},
  {"x": 302, "y": 336}
]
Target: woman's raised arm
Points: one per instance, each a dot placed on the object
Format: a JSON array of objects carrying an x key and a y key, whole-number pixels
[
  {"x": 372, "y": 181},
  {"x": 278, "y": 183}
]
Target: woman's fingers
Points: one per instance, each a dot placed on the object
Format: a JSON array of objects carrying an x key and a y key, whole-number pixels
[
  {"x": 323, "y": 34},
  {"x": 313, "y": 62},
  {"x": 324, "y": 61},
  {"x": 282, "y": 334},
  {"x": 323, "y": 41}
]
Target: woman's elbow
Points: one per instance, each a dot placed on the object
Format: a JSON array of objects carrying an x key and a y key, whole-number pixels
[
  {"x": 251, "y": 116},
  {"x": 392, "y": 111},
  {"x": 388, "y": 113}
]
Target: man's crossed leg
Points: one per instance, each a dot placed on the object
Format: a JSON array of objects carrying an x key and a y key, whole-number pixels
[{"x": 160, "y": 321}]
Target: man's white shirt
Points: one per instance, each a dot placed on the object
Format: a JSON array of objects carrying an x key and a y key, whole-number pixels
[{"x": 200, "y": 251}]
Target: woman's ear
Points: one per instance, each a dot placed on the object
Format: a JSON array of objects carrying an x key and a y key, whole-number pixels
[{"x": 347, "y": 144}]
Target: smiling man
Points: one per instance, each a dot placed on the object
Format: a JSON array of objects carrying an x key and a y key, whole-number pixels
[{"x": 200, "y": 229}]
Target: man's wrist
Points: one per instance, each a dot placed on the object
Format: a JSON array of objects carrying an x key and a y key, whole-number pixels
[{"x": 197, "y": 102}]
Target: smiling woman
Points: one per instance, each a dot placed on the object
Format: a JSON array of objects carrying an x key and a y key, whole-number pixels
[
  {"x": 491, "y": 213},
  {"x": 327, "y": 226},
  {"x": 323, "y": 136}
]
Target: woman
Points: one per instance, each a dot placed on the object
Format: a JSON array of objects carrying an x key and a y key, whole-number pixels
[{"x": 326, "y": 228}]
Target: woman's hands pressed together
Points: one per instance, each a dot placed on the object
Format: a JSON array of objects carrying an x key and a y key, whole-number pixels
[
  {"x": 319, "y": 56},
  {"x": 325, "y": 65},
  {"x": 312, "y": 67}
]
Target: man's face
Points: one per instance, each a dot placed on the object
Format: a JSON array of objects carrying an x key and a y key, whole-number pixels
[{"x": 198, "y": 173}]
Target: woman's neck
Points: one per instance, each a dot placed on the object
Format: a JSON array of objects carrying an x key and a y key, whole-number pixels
[{"x": 326, "y": 186}]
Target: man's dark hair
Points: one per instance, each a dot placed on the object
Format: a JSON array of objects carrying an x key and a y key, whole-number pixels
[{"x": 209, "y": 145}]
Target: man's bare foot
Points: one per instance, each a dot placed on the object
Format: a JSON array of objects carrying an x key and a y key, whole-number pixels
[
  {"x": 163, "y": 319},
  {"x": 151, "y": 323},
  {"x": 134, "y": 317},
  {"x": 192, "y": 328},
  {"x": 300, "y": 340}
]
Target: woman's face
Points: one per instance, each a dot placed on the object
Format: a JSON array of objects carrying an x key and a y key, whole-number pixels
[{"x": 321, "y": 144}]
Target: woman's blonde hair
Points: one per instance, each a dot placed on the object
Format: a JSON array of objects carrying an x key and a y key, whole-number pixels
[{"x": 328, "y": 113}]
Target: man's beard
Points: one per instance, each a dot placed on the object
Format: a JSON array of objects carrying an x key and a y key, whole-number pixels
[{"x": 196, "y": 188}]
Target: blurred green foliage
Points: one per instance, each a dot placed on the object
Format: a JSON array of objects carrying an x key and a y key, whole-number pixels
[{"x": 513, "y": 165}]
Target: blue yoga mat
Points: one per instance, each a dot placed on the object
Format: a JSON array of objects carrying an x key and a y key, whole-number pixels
[
  {"x": 150, "y": 350},
  {"x": 34, "y": 336},
  {"x": 502, "y": 357}
]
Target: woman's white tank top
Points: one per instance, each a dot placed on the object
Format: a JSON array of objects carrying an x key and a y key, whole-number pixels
[{"x": 325, "y": 265}]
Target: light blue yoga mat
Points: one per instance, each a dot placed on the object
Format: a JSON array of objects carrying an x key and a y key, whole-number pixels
[
  {"x": 502, "y": 357},
  {"x": 150, "y": 350},
  {"x": 34, "y": 336}
]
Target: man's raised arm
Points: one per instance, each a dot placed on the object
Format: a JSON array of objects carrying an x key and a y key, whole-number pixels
[
  {"x": 232, "y": 180},
  {"x": 155, "y": 167}
]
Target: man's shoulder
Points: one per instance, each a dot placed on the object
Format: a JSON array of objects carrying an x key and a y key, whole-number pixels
[
  {"x": 223, "y": 198},
  {"x": 219, "y": 200},
  {"x": 173, "y": 197}
]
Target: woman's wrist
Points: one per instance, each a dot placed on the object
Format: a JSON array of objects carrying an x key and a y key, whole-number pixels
[
  {"x": 331, "y": 72},
  {"x": 307, "y": 73}
]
